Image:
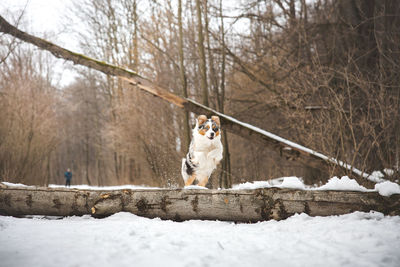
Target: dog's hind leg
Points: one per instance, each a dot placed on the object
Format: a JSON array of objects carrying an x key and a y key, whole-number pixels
[
  {"x": 203, "y": 182},
  {"x": 190, "y": 180}
]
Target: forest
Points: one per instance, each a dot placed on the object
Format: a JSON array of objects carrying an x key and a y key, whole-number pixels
[{"x": 324, "y": 74}]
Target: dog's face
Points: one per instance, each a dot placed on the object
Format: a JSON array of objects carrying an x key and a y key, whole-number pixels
[{"x": 209, "y": 128}]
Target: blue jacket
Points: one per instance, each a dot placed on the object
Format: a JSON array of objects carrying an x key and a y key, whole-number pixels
[{"x": 68, "y": 175}]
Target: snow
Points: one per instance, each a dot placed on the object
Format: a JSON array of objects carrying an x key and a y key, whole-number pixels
[
  {"x": 90, "y": 187},
  {"x": 389, "y": 172},
  {"x": 282, "y": 182},
  {"x": 251, "y": 185},
  {"x": 335, "y": 183},
  {"x": 16, "y": 185},
  {"x": 292, "y": 182},
  {"x": 195, "y": 187},
  {"x": 387, "y": 188},
  {"x": 124, "y": 239},
  {"x": 344, "y": 183}
]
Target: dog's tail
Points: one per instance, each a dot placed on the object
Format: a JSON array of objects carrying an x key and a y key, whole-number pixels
[{"x": 185, "y": 176}]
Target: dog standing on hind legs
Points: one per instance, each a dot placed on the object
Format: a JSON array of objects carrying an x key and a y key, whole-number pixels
[{"x": 205, "y": 151}]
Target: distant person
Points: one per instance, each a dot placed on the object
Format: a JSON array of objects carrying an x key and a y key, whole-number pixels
[{"x": 68, "y": 177}]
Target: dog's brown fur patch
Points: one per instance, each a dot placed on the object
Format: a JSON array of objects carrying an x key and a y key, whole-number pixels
[
  {"x": 217, "y": 132},
  {"x": 202, "y": 131},
  {"x": 201, "y": 119},
  {"x": 190, "y": 180},
  {"x": 216, "y": 120}
]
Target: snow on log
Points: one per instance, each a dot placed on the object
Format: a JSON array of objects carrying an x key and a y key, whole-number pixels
[
  {"x": 285, "y": 148},
  {"x": 188, "y": 204}
]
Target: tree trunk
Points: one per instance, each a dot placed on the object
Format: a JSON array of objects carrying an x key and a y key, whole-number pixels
[
  {"x": 213, "y": 75},
  {"x": 187, "y": 204},
  {"x": 202, "y": 55},
  {"x": 225, "y": 179},
  {"x": 135, "y": 38},
  {"x": 182, "y": 72}
]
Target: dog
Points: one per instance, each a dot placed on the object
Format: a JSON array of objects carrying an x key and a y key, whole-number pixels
[{"x": 205, "y": 151}]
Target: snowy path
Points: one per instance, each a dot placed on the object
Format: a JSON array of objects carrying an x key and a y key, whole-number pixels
[{"x": 357, "y": 239}]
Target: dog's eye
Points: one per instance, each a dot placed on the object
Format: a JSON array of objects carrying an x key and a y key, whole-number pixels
[{"x": 215, "y": 129}]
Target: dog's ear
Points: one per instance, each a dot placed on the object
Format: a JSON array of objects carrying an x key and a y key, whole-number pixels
[
  {"x": 216, "y": 120},
  {"x": 201, "y": 119}
]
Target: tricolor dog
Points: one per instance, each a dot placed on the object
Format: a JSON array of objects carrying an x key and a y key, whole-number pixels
[{"x": 205, "y": 151}]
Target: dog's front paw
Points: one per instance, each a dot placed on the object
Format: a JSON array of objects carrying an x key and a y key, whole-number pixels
[
  {"x": 216, "y": 155},
  {"x": 195, "y": 162},
  {"x": 217, "y": 160}
]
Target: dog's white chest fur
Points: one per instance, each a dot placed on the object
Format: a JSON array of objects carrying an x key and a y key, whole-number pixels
[
  {"x": 207, "y": 155},
  {"x": 205, "y": 151}
]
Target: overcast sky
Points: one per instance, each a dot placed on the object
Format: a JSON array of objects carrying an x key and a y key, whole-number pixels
[
  {"x": 46, "y": 19},
  {"x": 41, "y": 16}
]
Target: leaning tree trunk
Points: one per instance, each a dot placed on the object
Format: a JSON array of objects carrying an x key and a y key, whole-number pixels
[
  {"x": 285, "y": 148},
  {"x": 186, "y": 204},
  {"x": 202, "y": 55}
]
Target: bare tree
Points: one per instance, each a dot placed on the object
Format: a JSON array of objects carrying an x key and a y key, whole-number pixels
[
  {"x": 323, "y": 74},
  {"x": 28, "y": 123},
  {"x": 202, "y": 55}
]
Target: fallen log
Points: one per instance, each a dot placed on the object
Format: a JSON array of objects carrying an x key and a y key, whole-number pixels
[{"x": 187, "y": 204}]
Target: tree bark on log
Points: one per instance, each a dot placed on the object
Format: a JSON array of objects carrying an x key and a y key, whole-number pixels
[
  {"x": 187, "y": 204},
  {"x": 285, "y": 148}
]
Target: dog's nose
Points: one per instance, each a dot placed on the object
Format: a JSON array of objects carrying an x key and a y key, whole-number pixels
[{"x": 212, "y": 134}]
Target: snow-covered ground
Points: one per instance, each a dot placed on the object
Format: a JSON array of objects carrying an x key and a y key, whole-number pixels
[{"x": 124, "y": 239}]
